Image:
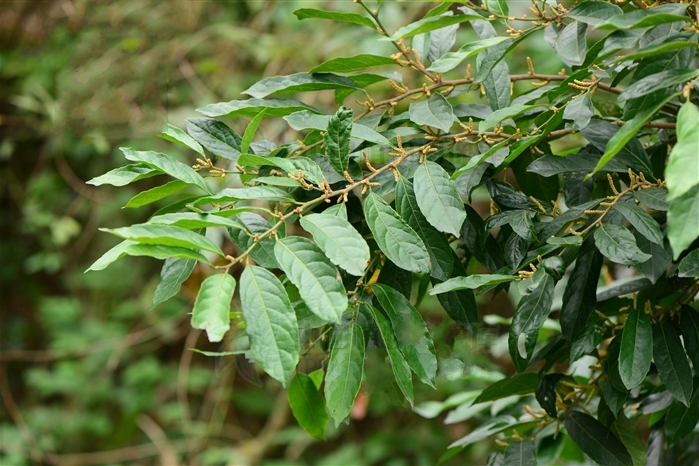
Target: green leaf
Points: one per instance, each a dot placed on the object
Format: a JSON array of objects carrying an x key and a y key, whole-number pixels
[
  {"x": 520, "y": 384},
  {"x": 215, "y": 136},
  {"x": 532, "y": 311},
  {"x": 299, "y": 82},
  {"x": 349, "y": 64},
  {"x": 629, "y": 436},
  {"x": 430, "y": 24},
  {"x": 213, "y": 305},
  {"x": 306, "y": 120},
  {"x": 167, "y": 165},
  {"x": 655, "y": 198},
  {"x": 307, "y": 405},
  {"x": 681, "y": 230},
  {"x": 689, "y": 267},
  {"x": 337, "y": 139},
  {"x": 164, "y": 235},
  {"x": 521, "y": 453},
  {"x": 400, "y": 368},
  {"x": 438, "y": 198},
  {"x": 155, "y": 194},
  {"x": 277, "y": 181},
  {"x": 252, "y": 107},
  {"x": 340, "y": 242},
  {"x": 396, "y": 239},
  {"x": 583, "y": 161},
  {"x": 654, "y": 268},
  {"x": 655, "y": 82},
  {"x": 413, "y": 337},
  {"x": 193, "y": 220},
  {"x": 682, "y": 171},
  {"x": 132, "y": 248},
  {"x": 641, "y": 221},
  {"x": 497, "y": 86},
  {"x": 176, "y": 135},
  {"x": 437, "y": 244},
  {"x": 338, "y": 210},
  {"x": 571, "y": 46},
  {"x": 270, "y": 322},
  {"x": 435, "y": 112},
  {"x": 441, "y": 42},
  {"x": 596, "y": 441},
  {"x": 252, "y": 193},
  {"x": 345, "y": 371},
  {"x": 660, "y": 48},
  {"x": 636, "y": 349},
  {"x": 498, "y": 7},
  {"x": 593, "y": 13},
  {"x": 471, "y": 282},
  {"x": 580, "y": 111},
  {"x": 124, "y": 175},
  {"x": 263, "y": 252},
  {"x": 671, "y": 361},
  {"x": 680, "y": 420},
  {"x": 566, "y": 241},
  {"x": 618, "y": 245},
  {"x": 312, "y": 273},
  {"x": 174, "y": 272},
  {"x": 250, "y": 131},
  {"x": 451, "y": 60},
  {"x": 305, "y": 13},
  {"x": 503, "y": 114},
  {"x": 689, "y": 323},
  {"x": 638, "y": 19}
]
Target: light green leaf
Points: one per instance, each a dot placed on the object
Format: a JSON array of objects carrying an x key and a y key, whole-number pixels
[
  {"x": 277, "y": 181},
  {"x": 155, "y": 194},
  {"x": 438, "y": 198},
  {"x": 252, "y": 193},
  {"x": 173, "y": 273},
  {"x": 270, "y": 322},
  {"x": 580, "y": 111},
  {"x": 338, "y": 210},
  {"x": 213, "y": 305},
  {"x": 681, "y": 221},
  {"x": 689, "y": 267},
  {"x": 570, "y": 45},
  {"x": 251, "y": 130},
  {"x": 354, "y": 18},
  {"x": 400, "y": 368},
  {"x": 499, "y": 115},
  {"x": 636, "y": 349},
  {"x": 395, "y": 238},
  {"x": 307, "y": 405},
  {"x": 471, "y": 282},
  {"x": 641, "y": 221},
  {"x": 617, "y": 244},
  {"x": 193, "y": 220},
  {"x": 337, "y": 139},
  {"x": 215, "y": 136},
  {"x": 498, "y": 7},
  {"x": 349, "y": 64},
  {"x": 593, "y": 13},
  {"x": 413, "y": 337},
  {"x": 436, "y": 112},
  {"x": 176, "y": 135},
  {"x": 345, "y": 371},
  {"x": 132, "y": 248},
  {"x": 252, "y": 107},
  {"x": 432, "y": 23},
  {"x": 566, "y": 241},
  {"x": 248, "y": 160},
  {"x": 682, "y": 171},
  {"x": 299, "y": 82},
  {"x": 339, "y": 240},
  {"x": 660, "y": 48},
  {"x": 167, "y": 165},
  {"x": 124, "y": 175},
  {"x": 306, "y": 120},
  {"x": 312, "y": 273},
  {"x": 638, "y": 19},
  {"x": 164, "y": 235},
  {"x": 451, "y": 60},
  {"x": 655, "y": 82}
]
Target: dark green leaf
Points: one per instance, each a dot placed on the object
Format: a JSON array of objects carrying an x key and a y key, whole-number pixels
[
  {"x": 337, "y": 139},
  {"x": 167, "y": 165},
  {"x": 438, "y": 198},
  {"x": 176, "y": 135},
  {"x": 252, "y": 107},
  {"x": 212, "y": 306},
  {"x": 299, "y": 82},
  {"x": 340, "y": 242},
  {"x": 164, "y": 235},
  {"x": 499, "y": 115},
  {"x": 579, "y": 297},
  {"x": 521, "y": 453},
  {"x": 580, "y": 111},
  {"x": 614, "y": 398},
  {"x": 655, "y": 198},
  {"x": 671, "y": 361},
  {"x": 570, "y": 46},
  {"x": 270, "y": 322},
  {"x": 430, "y": 24},
  {"x": 689, "y": 267},
  {"x": 593, "y": 13},
  {"x": 629, "y": 436},
  {"x": 681, "y": 228},
  {"x": 520, "y": 384},
  {"x": 396, "y": 239},
  {"x": 636, "y": 349},
  {"x": 618, "y": 245},
  {"x": 566, "y": 241},
  {"x": 124, "y": 175},
  {"x": 354, "y": 18},
  {"x": 598, "y": 442},
  {"x": 689, "y": 323},
  {"x": 586, "y": 342},
  {"x": 345, "y": 371},
  {"x": 397, "y": 278},
  {"x": 215, "y": 136},
  {"x": 641, "y": 221},
  {"x": 307, "y": 405},
  {"x": 349, "y": 64},
  {"x": 497, "y": 87},
  {"x": 460, "y": 305},
  {"x": 413, "y": 337},
  {"x": 681, "y": 420},
  {"x": 546, "y": 394},
  {"x": 654, "y": 268},
  {"x": 435, "y": 112},
  {"x": 263, "y": 252},
  {"x": 174, "y": 272},
  {"x": 638, "y": 19},
  {"x": 657, "y": 81}
]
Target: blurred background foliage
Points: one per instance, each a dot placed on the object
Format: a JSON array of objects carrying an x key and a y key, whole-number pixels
[{"x": 89, "y": 373}]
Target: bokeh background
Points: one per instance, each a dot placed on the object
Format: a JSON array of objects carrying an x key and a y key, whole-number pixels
[{"x": 89, "y": 373}]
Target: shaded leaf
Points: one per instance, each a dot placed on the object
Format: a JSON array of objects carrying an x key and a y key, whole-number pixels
[
  {"x": 520, "y": 453},
  {"x": 641, "y": 221},
  {"x": 173, "y": 273},
  {"x": 636, "y": 349},
  {"x": 345, "y": 371},
  {"x": 671, "y": 361},
  {"x": 598, "y": 442},
  {"x": 618, "y": 245},
  {"x": 520, "y": 384},
  {"x": 307, "y": 405}
]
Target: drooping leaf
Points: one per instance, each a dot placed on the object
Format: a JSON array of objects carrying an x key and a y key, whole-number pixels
[
  {"x": 471, "y": 282},
  {"x": 682, "y": 171},
  {"x": 654, "y": 268},
  {"x": 345, "y": 371},
  {"x": 681, "y": 228},
  {"x": 671, "y": 361},
  {"x": 689, "y": 324},
  {"x": 598, "y": 442},
  {"x": 396, "y": 239},
  {"x": 618, "y": 245},
  {"x": 641, "y": 221},
  {"x": 312, "y": 273},
  {"x": 460, "y": 305},
  {"x": 400, "y": 368},
  {"x": 441, "y": 42},
  {"x": 519, "y": 384},
  {"x": 355, "y": 18},
  {"x": 124, "y": 175},
  {"x": 435, "y": 112},
  {"x": 349, "y": 64},
  {"x": 164, "y": 235},
  {"x": 270, "y": 322},
  {"x": 438, "y": 198},
  {"x": 630, "y": 437},
  {"x": 411, "y": 332},
  {"x": 167, "y": 165},
  {"x": 299, "y": 82},
  {"x": 307, "y": 405},
  {"x": 337, "y": 139},
  {"x": 340, "y": 242},
  {"x": 176, "y": 135},
  {"x": 636, "y": 349},
  {"x": 497, "y": 87},
  {"x": 571, "y": 46},
  {"x": 213, "y": 305},
  {"x": 173, "y": 273}
]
